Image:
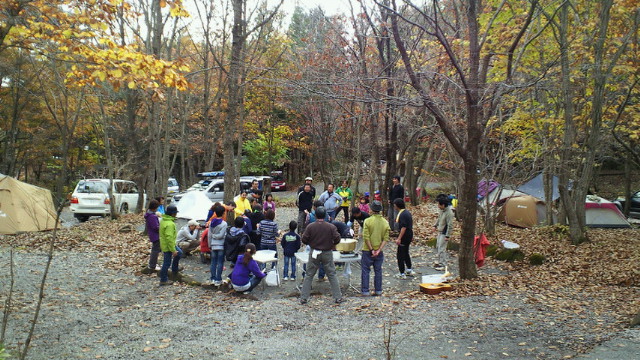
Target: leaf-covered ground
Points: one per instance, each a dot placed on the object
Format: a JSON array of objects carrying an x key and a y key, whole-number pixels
[{"x": 591, "y": 290}]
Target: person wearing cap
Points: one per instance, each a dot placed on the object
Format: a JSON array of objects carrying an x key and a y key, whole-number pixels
[
  {"x": 308, "y": 180},
  {"x": 242, "y": 203},
  {"x": 187, "y": 238},
  {"x": 321, "y": 237},
  {"x": 171, "y": 253},
  {"x": 304, "y": 201},
  {"x": 375, "y": 234}
]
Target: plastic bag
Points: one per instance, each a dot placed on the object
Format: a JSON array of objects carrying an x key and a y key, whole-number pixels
[{"x": 272, "y": 278}]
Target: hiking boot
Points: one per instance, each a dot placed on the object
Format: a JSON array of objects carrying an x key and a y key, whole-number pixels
[
  {"x": 401, "y": 276},
  {"x": 168, "y": 282}
]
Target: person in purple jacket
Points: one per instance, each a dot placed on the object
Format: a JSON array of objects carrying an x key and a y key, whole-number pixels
[
  {"x": 152, "y": 223},
  {"x": 246, "y": 274}
]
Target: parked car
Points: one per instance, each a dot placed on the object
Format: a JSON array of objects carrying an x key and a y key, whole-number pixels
[
  {"x": 91, "y": 198},
  {"x": 214, "y": 188},
  {"x": 172, "y": 187},
  {"x": 278, "y": 182},
  {"x": 634, "y": 209}
]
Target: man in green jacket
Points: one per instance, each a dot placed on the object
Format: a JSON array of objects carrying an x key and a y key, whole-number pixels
[
  {"x": 376, "y": 234},
  {"x": 172, "y": 253}
]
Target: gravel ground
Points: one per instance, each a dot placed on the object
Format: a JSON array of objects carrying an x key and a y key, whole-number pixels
[{"x": 90, "y": 311}]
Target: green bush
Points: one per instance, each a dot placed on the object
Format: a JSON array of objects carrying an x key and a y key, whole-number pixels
[
  {"x": 536, "y": 259},
  {"x": 510, "y": 255},
  {"x": 491, "y": 250}
]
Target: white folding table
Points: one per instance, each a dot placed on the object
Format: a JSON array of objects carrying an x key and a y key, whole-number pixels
[
  {"x": 267, "y": 256},
  {"x": 303, "y": 258}
]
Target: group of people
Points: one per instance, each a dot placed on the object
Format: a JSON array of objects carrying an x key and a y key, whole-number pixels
[{"x": 254, "y": 228}]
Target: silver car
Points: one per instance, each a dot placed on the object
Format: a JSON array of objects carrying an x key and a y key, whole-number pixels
[{"x": 90, "y": 198}]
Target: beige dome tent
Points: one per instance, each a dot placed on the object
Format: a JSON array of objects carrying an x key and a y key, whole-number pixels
[
  {"x": 522, "y": 211},
  {"x": 24, "y": 207}
]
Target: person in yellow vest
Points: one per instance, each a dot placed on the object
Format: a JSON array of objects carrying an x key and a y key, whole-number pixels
[
  {"x": 242, "y": 203},
  {"x": 347, "y": 195}
]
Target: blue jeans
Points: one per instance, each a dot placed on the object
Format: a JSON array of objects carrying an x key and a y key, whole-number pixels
[
  {"x": 169, "y": 259},
  {"x": 367, "y": 261},
  {"x": 292, "y": 260},
  {"x": 217, "y": 262},
  {"x": 331, "y": 215}
]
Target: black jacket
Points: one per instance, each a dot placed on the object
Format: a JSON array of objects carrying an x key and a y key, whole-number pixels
[{"x": 305, "y": 201}]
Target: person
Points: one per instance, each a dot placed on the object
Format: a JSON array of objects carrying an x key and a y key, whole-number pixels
[
  {"x": 246, "y": 274},
  {"x": 248, "y": 226},
  {"x": 375, "y": 233},
  {"x": 322, "y": 237},
  {"x": 396, "y": 192},
  {"x": 347, "y": 195},
  {"x": 269, "y": 203},
  {"x": 405, "y": 224},
  {"x": 235, "y": 240},
  {"x": 377, "y": 196},
  {"x": 255, "y": 217},
  {"x": 217, "y": 233},
  {"x": 242, "y": 203},
  {"x": 160, "y": 201},
  {"x": 358, "y": 215},
  {"x": 152, "y": 223},
  {"x": 307, "y": 181},
  {"x": 168, "y": 235},
  {"x": 367, "y": 197},
  {"x": 255, "y": 194},
  {"x": 343, "y": 229},
  {"x": 311, "y": 218},
  {"x": 268, "y": 231},
  {"x": 290, "y": 245},
  {"x": 363, "y": 205},
  {"x": 187, "y": 238},
  {"x": 330, "y": 201},
  {"x": 444, "y": 227},
  {"x": 304, "y": 201}
]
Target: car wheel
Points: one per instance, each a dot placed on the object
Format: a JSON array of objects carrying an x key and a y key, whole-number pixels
[{"x": 124, "y": 209}]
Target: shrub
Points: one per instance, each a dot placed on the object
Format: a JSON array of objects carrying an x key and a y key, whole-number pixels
[
  {"x": 510, "y": 255},
  {"x": 491, "y": 250},
  {"x": 536, "y": 259}
]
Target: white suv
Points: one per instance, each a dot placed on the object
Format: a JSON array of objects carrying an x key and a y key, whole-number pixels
[{"x": 91, "y": 198}]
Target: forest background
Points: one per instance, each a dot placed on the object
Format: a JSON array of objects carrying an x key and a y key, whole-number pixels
[{"x": 457, "y": 90}]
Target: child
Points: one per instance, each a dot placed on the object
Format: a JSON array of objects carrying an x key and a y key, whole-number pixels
[
  {"x": 153, "y": 231},
  {"x": 235, "y": 240},
  {"x": 217, "y": 232},
  {"x": 444, "y": 227},
  {"x": 377, "y": 196},
  {"x": 269, "y": 203},
  {"x": 364, "y": 206},
  {"x": 290, "y": 245},
  {"x": 268, "y": 230},
  {"x": 160, "y": 201},
  {"x": 172, "y": 253},
  {"x": 246, "y": 274}
]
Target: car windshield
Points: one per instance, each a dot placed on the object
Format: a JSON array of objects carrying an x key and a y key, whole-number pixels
[
  {"x": 92, "y": 187},
  {"x": 277, "y": 178}
]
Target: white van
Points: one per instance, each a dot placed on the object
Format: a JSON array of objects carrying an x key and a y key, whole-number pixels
[
  {"x": 91, "y": 198},
  {"x": 214, "y": 188}
]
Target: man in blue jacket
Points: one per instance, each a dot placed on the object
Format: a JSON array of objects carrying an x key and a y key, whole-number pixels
[{"x": 331, "y": 202}]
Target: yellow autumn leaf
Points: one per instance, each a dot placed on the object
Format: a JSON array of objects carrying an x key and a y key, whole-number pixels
[{"x": 131, "y": 85}]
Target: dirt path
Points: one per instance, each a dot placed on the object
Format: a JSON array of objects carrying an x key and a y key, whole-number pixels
[{"x": 91, "y": 312}]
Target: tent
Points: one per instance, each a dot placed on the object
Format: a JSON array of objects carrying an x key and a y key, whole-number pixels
[
  {"x": 24, "y": 207},
  {"x": 603, "y": 214},
  {"x": 194, "y": 205},
  {"x": 522, "y": 211},
  {"x": 535, "y": 188}
]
